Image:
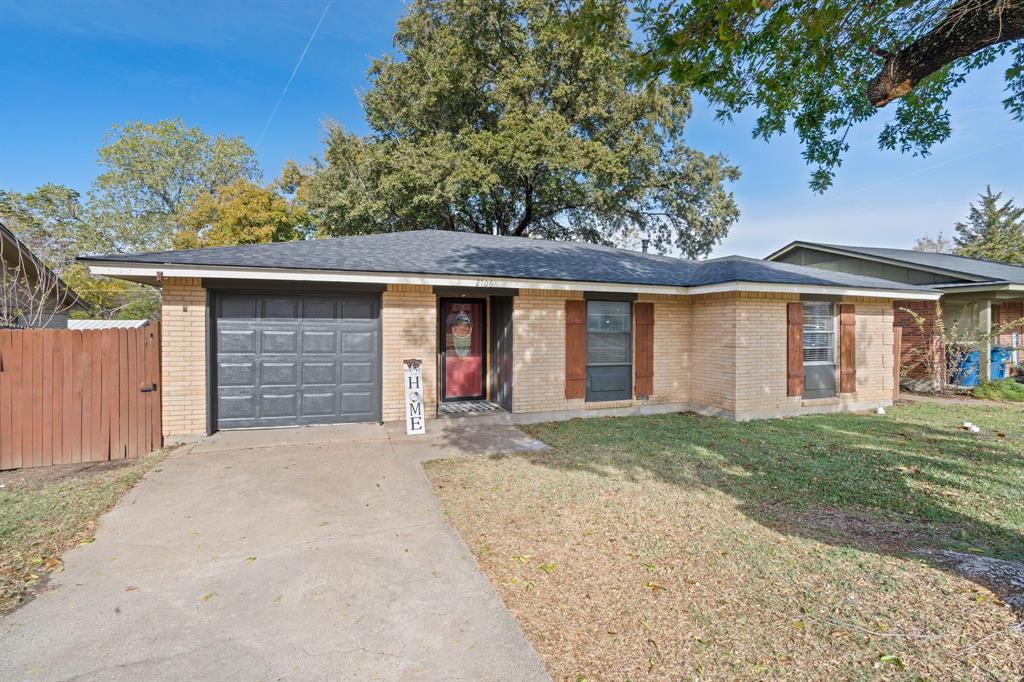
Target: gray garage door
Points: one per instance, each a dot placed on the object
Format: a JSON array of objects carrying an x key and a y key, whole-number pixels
[{"x": 290, "y": 359}]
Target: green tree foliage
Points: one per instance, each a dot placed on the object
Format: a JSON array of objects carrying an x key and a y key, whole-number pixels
[
  {"x": 240, "y": 213},
  {"x": 153, "y": 172},
  {"x": 162, "y": 183},
  {"x": 53, "y": 222},
  {"x": 993, "y": 231},
  {"x": 823, "y": 66},
  {"x": 521, "y": 117}
]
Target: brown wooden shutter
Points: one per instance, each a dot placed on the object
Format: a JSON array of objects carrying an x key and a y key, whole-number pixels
[
  {"x": 643, "y": 316},
  {"x": 847, "y": 348},
  {"x": 575, "y": 349},
  {"x": 795, "y": 350}
]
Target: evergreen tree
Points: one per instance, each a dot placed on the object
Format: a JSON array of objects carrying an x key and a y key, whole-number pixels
[{"x": 993, "y": 231}]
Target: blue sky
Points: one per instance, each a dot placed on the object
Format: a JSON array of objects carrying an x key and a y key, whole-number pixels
[{"x": 73, "y": 69}]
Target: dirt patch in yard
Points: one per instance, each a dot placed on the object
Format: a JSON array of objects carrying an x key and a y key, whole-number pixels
[
  {"x": 638, "y": 549},
  {"x": 60, "y": 472}
]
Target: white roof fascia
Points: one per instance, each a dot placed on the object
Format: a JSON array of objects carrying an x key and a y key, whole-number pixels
[{"x": 151, "y": 271}]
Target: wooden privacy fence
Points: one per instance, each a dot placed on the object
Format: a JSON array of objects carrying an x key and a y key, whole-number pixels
[{"x": 70, "y": 396}]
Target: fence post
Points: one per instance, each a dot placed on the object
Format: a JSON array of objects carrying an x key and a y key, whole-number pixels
[{"x": 897, "y": 360}]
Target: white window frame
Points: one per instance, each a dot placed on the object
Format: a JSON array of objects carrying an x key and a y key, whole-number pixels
[{"x": 834, "y": 332}]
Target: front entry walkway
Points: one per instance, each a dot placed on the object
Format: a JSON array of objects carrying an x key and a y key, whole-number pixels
[{"x": 314, "y": 553}]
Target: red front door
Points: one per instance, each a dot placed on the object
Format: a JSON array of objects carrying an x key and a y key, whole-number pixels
[{"x": 464, "y": 328}]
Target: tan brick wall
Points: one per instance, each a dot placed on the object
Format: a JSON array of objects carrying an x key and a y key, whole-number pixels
[
  {"x": 761, "y": 354},
  {"x": 409, "y": 326},
  {"x": 672, "y": 348},
  {"x": 538, "y": 351},
  {"x": 713, "y": 351},
  {"x": 875, "y": 355},
  {"x": 183, "y": 344},
  {"x": 761, "y": 321},
  {"x": 538, "y": 324},
  {"x": 757, "y": 353}
]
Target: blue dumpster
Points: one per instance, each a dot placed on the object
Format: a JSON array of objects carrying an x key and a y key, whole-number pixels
[
  {"x": 967, "y": 374},
  {"x": 1001, "y": 355},
  {"x": 969, "y": 371}
]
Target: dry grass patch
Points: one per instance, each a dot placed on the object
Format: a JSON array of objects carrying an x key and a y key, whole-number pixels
[
  {"x": 678, "y": 547},
  {"x": 46, "y": 511}
]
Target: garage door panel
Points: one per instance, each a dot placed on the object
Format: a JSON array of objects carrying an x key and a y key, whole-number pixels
[
  {"x": 358, "y": 342},
  {"x": 360, "y": 309},
  {"x": 236, "y": 307},
  {"x": 236, "y": 374},
  {"x": 319, "y": 341},
  {"x": 327, "y": 308},
  {"x": 279, "y": 307},
  {"x": 319, "y": 373},
  {"x": 357, "y": 373},
  {"x": 236, "y": 340},
  {"x": 297, "y": 359},
  {"x": 278, "y": 374},
  {"x": 357, "y": 402},
  {"x": 319, "y": 404},
  {"x": 283, "y": 404},
  {"x": 279, "y": 341},
  {"x": 231, "y": 407}
]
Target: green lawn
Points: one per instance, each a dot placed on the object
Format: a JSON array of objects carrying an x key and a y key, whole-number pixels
[
  {"x": 44, "y": 512},
  {"x": 678, "y": 546}
]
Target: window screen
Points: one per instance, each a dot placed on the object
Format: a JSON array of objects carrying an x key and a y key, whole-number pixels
[
  {"x": 819, "y": 334},
  {"x": 608, "y": 333},
  {"x": 609, "y": 351}
]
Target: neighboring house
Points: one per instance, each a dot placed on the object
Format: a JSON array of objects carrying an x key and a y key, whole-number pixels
[
  {"x": 316, "y": 331},
  {"x": 29, "y": 286},
  {"x": 977, "y": 294}
]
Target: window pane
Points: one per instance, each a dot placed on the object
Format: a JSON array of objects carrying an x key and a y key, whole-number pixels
[
  {"x": 607, "y": 348},
  {"x": 608, "y": 332},
  {"x": 608, "y": 316},
  {"x": 819, "y": 333}
]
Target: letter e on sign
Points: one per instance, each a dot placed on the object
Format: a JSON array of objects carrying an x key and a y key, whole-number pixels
[{"x": 415, "y": 421}]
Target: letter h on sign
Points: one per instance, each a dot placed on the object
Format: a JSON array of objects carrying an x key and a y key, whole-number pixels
[{"x": 415, "y": 420}]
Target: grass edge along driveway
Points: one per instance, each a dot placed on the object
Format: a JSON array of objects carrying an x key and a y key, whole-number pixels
[
  {"x": 45, "y": 512},
  {"x": 678, "y": 546}
]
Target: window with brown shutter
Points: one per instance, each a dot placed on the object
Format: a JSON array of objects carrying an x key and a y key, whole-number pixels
[
  {"x": 847, "y": 348},
  {"x": 643, "y": 320},
  {"x": 795, "y": 350},
  {"x": 575, "y": 349}
]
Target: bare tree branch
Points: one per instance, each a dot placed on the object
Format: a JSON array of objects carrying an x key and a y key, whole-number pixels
[{"x": 31, "y": 294}]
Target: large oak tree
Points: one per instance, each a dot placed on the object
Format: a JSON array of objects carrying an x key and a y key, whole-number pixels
[
  {"x": 522, "y": 117},
  {"x": 823, "y": 66}
]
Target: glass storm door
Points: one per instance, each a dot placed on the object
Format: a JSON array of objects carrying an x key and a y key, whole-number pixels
[{"x": 464, "y": 328}]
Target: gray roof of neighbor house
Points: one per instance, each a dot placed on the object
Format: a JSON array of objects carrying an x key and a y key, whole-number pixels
[
  {"x": 16, "y": 254},
  {"x": 969, "y": 268},
  {"x": 435, "y": 252}
]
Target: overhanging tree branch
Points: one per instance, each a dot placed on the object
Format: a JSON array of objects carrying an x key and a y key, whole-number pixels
[{"x": 970, "y": 26}]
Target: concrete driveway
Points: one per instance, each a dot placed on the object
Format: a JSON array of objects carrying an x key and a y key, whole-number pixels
[{"x": 302, "y": 554}]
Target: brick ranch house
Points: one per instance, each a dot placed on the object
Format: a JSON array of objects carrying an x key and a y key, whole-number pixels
[
  {"x": 976, "y": 294},
  {"x": 316, "y": 331}
]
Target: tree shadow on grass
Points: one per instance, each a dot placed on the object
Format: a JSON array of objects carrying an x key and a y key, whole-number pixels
[{"x": 888, "y": 485}]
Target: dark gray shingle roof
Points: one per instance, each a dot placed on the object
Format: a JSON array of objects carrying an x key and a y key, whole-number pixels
[
  {"x": 433, "y": 252},
  {"x": 972, "y": 268}
]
